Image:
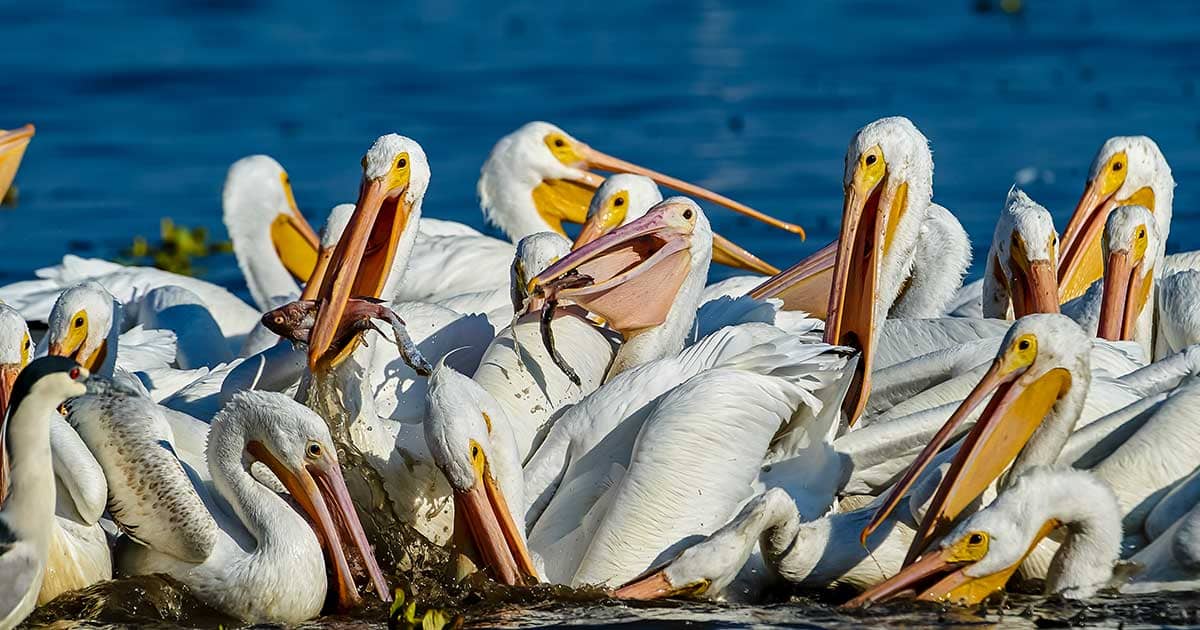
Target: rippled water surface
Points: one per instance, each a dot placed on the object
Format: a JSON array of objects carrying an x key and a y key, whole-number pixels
[{"x": 141, "y": 107}]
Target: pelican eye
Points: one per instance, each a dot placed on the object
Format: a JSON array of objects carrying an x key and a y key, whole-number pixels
[
  {"x": 78, "y": 322},
  {"x": 1141, "y": 233},
  {"x": 314, "y": 449},
  {"x": 28, "y": 343},
  {"x": 401, "y": 163},
  {"x": 687, "y": 214},
  {"x": 871, "y": 159},
  {"x": 474, "y": 451},
  {"x": 619, "y": 201},
  {"x": 1118, "y": 166},
  {"x": 559, "y": 142},
  {"x": 975, "y": 539},
  {"x": 1023, "y": 344}
]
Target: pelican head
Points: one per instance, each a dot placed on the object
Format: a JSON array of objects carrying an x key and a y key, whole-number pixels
[
  {"x": 79, "y": 324},
  {"x": 1130, "y": 249},
  {"x": 888, "y": 184},
  {"x": 12, "y": 149},
  {"x": 395, "y": 176},
  {"x": 539, "y": 176},
  {"x": 461, "y": 428},
  {"x": 1041, "y": 370},
  {"x": 977, "y": 558},
  {"x": 1128, "y": 170},
  {"x": 259, "y": 208},
  {"x": 619, "y": 200},
  {"x": 632, "y": 275},
  {"x": 1023, "y": 261},
  {"x": 15, "y": 350},
  {"x": 624, "y": 197},
  {"x": 295, "y": 444},
  {"x": 535, "y": 253}
]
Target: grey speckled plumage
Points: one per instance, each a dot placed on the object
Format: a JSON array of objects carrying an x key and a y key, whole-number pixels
[{"x": 147, "y": 486}]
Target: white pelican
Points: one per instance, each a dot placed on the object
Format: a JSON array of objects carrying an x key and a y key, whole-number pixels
[
  {"x": 1178, "y": 319},
  {"x": 605, "y": 528},
  {"x": 237, "y": 561},
  {"x": 1122, "y": 308},
  {"x": 1127, "y": 170},
  {"x": 79, "y": 554},
  {"x": 274, "y": 245},
  {"x": 35, "y": 298},
  {"x": 535, "y": 178},
  {"x": 1022, "y": 264},
  {"x": 1036, "y": 384},
  {"x": 370, "y": 397},
  {"x": 198, "y": 338},
  {"x": 888, "y": 192},
  {"x": 977, "y": 558},
  {"x": 24, "y": 537},
  {"x": 644, "y": 278},
  {"x": 84, "y": 326}
]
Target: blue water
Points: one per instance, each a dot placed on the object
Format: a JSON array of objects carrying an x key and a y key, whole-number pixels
[{"x": 141, "y": 109}]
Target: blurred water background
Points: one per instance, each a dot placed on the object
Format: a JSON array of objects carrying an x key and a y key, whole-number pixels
[{"x": 141, "y": 107}]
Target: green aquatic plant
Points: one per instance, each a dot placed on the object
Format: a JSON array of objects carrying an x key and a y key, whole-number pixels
[
  {"x": 175, "y": 250},
  {"x": 404, "y": 615}
]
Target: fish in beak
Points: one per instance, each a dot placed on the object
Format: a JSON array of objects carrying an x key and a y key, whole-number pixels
[
  {"x": 1126, "y": 290},
  {"x": 949, "y": 574},
  {"x": 360, "y": 264},
  {"x": 1033, "y": 286},
  {"x": 631, "y": 275},
  {"x": 1020, "y": 398},
  {"x": 1082, "y": 258},
  {"x": 12, "y": 149},
  {"x": 320, "y": 490},
  {"x": 295, "y": 241},
  {"x": 497, "y": 538}
]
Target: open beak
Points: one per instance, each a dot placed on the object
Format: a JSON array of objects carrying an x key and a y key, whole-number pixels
[
  {"x": 1035, "y": 289},
  {"x": 1019, "y": 404},
  {"x": 805, "y": 286},
  {"x": 867, "y": 221},
  {"x": 632, "y": 274},
  {"x": 1125, "y": 295},
  {"x": 72, "y": 348},
  {"x": 654, "y": 584},
  {"x": 595, "y": 159},
  {"x": 359, "y": 265},
  {"x": 725, "y": 251},
  {"x": 294, "y": 239},
  {"x": 320, "y": 490},
  {"x": 8, "y": 377},
  {"x": 1081, "y": 262},
  {"x": 494, "y": 533},
  {"x": 12, "y": 149}
]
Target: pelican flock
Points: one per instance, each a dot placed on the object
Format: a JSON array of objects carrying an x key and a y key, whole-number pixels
[{"x": 575, "y": 404}]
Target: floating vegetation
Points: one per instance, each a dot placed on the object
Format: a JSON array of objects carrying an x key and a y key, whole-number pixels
[
  {"x": 406, "y": 615},
  {"x": 175, "y": 250}
]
